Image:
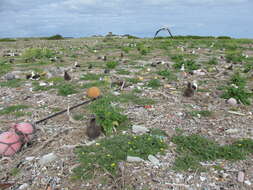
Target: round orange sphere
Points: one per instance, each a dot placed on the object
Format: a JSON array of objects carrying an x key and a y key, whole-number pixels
[{"x": 93, "y": 92}]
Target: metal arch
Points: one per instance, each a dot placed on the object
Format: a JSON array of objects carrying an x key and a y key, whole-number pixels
[{"x": 161, "y": 29}]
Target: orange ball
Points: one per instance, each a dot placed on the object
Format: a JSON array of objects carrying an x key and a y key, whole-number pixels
[{"x": 93, "y": 92}]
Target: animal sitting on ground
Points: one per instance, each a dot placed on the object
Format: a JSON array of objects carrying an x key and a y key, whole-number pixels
[
  {"x": 66, "y": 76},
  {"x": 93, "y": 129},
  {"x": 189, "y": 91}
]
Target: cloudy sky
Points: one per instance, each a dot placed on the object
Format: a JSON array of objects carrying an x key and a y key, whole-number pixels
[{"x": 79, "y": 18}]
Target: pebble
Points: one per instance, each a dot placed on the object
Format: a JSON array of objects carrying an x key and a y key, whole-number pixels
[
  {"x": 48, "y": 158},
  {"x": 232, "y": 101},
  {"x": 153, "y": 160},
  {"x": 9, "y": 76},
  {"x": 23, "y": 186},
  {"x": 247, "y": 182},
  {"x": 138, "y": 129},
  {"x": 29, "y": 158},
  {"x": 134, "y": 159},
  {"x": 241, "y": 176}
]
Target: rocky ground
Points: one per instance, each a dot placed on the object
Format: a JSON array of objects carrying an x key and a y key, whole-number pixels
[{"x": 48, "y": 161}]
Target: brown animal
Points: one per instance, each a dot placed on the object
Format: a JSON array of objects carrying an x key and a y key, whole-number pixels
[
  {"x": 189, "y": 91},
  {"x": 93, "y": 129},
  {"x": 66, "y": 76}
]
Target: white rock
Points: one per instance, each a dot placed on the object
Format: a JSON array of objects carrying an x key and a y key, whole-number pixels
[
  {"x": 202, "y": 178},
  {"x": 232, "y": 131},
  {"x": 42, "y": 84},
  {"x": 29, "y": 158},
  {"x": 9, "y": 76},
  {"x": 48, "y": 158},
  {"x": 153, "y": 160},
  {"x": 240, "y": 176},
  {"x": 23, "y": 186},
  {"x": 232, "y": 101},
  {"x": 116, "y": 93},
  {"x": 138, "y": 129},
  {"x": 134, "y": 159},
  {"x": 247, "y": 182}
]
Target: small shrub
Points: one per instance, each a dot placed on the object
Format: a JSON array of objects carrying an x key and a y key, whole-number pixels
[
  {"x": 234, "y": 56},
  {"x": 5, "y": 67},
  {"x": 154, "y": 83},
  {"x": 37, "y": 53},
  {"x": 108, "y": 116},
  {"x": 212, "y": 61},
  {"x": 55, "y": 37},
  {"x": 239, "y": 93},
  {"x": 12, "y": 109},
  {"x": 66, "y": 89},
  {"x": 111, "y": 64},
  {"x": 224, "y": 37},
  {"x": 238, "y": 80},
  {"x": 167, "y": 74},
  {"x": 15, "y": 83},
  {"x": 189, "y": 65}
]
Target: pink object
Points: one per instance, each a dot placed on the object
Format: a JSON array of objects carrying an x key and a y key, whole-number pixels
[
  {"x": 9, "y": 143},
  {"x": 24, "y": 130}
]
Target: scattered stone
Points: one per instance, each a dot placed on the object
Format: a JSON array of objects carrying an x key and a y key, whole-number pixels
[
  {"x": 199, "y": 72},
  {"x": 247, "y": 182},
  {"x": 138, "y": 129},
  {"x": 134, "y": 159},
  {"x": 23, "y": 186},
  {"x": 30, "y": 158},
  {"x": 48, "y": 158},
  {"x": 10, "y": 76},
  {"x": 232, "y": 131},
  {"x": 153, "y": 160},
  {"x": 232, "y": 101},
  {"x": 240, "y": 176}
]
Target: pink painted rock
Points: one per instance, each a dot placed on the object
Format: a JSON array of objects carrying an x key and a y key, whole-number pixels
[
  {"x": 25, "y": 130},
  {"x": 9, "y": 143}
]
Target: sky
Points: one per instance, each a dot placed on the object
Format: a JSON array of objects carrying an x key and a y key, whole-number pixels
[{"x": 81, "y": 18}]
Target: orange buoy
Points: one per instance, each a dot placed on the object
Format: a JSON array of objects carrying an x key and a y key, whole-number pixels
[
  {"x": 9, "y": 143},
  {"x": 93, "y": 92}
]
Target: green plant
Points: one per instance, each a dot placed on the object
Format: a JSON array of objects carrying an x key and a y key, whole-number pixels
[
  {"x": 238, "y": 80},
  {"x": 91, "y": 76},
  {"x": 110, "y": 151},
  {"x": 111, "y": 64},
  {"x": 37, "y": 53},
  {"x": 12, "y": 109},
  {"x": 167, "y": 74},
  {"x": 108, "y": 116},
  {"x": 234, "y": 56},
  {"x": 133, "y": 80},
  {"x": 213, "y": 61},
  {"x": 15, "y": 83},
  {"x": 247, "y": 67},
  {"x": 5, "y": 67},
  {"x": 66, "y": 89},
  {"x": 7, "y": 40},
  {"x": 154, "y": 83},
  {"x": 194, "y": 149},
  {"x": 189, "y": 65},
  {"x": 55, "y": 37},
  {"x": 123, "y": 72},
  {"x": 239, "y": 93}
]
